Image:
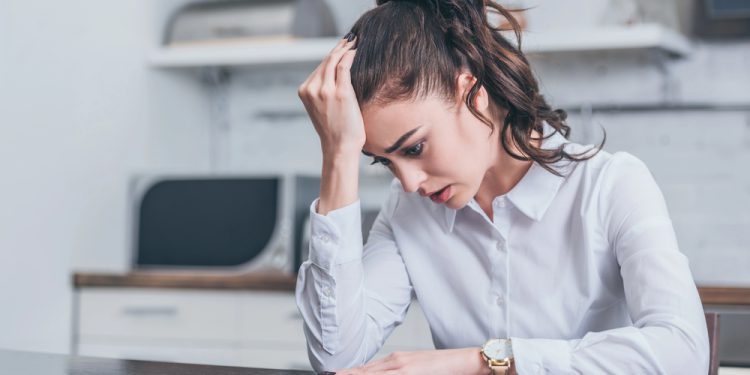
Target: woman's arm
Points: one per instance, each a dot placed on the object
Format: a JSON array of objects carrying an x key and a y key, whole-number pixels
[
  {"x": 669, "y": 332},
  {"x": 466, "y": 361},
  {"x": 330, "y": 101},
  {"x": 351, "y": 297}
]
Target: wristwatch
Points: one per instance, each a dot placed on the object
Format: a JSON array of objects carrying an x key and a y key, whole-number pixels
[{"x": 499, "y": 355}]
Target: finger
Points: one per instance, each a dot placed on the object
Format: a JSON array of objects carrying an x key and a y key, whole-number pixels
[
  {"x": 392, "y": 360},
  {"x": 344, "y": 69},
  {"x": 350, "y": 371},
  {"x": 317, "y": 78},
  {"x": 362, "y": 371},
  {"x": 329, "y": 72},
  {"x": 307, "y": 86},
  {"x": 379, "y": 367},
  {"x": 338, "y": 45},
  {"x": 383, "y": 364},
  {"x": 377, "y": 362}
]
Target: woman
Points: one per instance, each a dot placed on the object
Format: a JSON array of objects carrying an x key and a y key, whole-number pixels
[{"x": 527, "y": 253}]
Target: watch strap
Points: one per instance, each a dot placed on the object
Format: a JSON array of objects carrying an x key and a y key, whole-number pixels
[{"x": 500, "y": 370}]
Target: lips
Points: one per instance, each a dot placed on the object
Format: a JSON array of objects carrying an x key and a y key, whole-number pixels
[
  {"x": 437, "y": 192},
  {"x": 441, "y": 195}
]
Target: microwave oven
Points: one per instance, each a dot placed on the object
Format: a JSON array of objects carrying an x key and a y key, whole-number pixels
[{"x": 223, "y": 223}]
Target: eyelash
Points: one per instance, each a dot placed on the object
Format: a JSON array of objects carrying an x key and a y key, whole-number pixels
[{"x": 412, "y": 151}]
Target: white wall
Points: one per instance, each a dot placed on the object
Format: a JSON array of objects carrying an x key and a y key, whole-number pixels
[
  {"x": 79, "y": 112},
  {"x": 699, "y": 159},
  {"x": 689, "y": 120}
]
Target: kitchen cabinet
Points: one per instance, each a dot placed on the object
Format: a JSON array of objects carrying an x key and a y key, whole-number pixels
[
  {"x": 251, "y": 319},
  {"x": 221, "y": 327}
]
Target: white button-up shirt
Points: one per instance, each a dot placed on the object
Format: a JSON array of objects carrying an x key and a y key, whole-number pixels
[{"x": 581, "y": 272}]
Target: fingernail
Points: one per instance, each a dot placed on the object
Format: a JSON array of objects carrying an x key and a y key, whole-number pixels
[{"x": 348, "y": 36}]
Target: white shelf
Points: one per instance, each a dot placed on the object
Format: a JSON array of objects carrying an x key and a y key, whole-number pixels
[
  {"x": 243, "y": 53},
  {"x": 269, "y": 52},
  {"x": 636, "y": 37}
]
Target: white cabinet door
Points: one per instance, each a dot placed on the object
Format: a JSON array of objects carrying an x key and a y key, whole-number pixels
[
  {"x": 259, "y": 355},
  {"x": 270, "y": 317},
  {"x": 233, "y": 328},
  {"x": 159, "y": 314}
]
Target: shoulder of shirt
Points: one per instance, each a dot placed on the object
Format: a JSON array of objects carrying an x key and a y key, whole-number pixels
[
  {"x": 606, "y": 173},
  {"x": 615, "y": 165},
  {"x": 605, "y": 164}
]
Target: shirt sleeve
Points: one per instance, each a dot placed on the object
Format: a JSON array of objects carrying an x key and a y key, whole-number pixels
[
  {"x": 351, "y": 296},
  {"x": 669, "y": 334}
]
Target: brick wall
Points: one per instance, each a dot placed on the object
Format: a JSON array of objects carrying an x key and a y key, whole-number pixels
[{"x": 688, "y": 119}]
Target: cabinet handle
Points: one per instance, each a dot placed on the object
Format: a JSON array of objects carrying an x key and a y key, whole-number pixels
[{"x": 146, "y": 311}]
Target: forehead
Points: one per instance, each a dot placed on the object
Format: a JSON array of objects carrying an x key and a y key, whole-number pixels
[{"x": 386, "y": 123}]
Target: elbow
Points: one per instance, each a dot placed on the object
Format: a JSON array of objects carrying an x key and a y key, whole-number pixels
[
  {"x": 698, "y": 346},
  {"x": 681, "y": 341},
  {"x": 321, "y": 361},
  {"x": 703, "y": 353},
  {"x": 694, "y": 346},
  {"x": 333, "y": 357}
]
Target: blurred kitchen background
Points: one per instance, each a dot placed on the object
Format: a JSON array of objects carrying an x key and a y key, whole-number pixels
[{"x": 119, "y": 118}]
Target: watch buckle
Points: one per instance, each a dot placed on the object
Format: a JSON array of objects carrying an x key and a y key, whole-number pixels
[{"x": 502, "y": 362}]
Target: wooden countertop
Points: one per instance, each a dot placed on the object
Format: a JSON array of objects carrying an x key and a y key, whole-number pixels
[
  {"x": 274, "y": 281},
  {"x": 14, "y": 362},
  {"x": 277, "y": 281},
  {"x": 717, "y": 295}
]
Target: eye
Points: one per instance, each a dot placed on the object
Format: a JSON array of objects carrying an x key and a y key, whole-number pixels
[
  {"x": 383, "y": 161},
  {"x": 415, "y": 150}
]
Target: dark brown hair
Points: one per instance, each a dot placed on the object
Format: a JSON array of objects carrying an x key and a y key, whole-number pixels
[{"x": 407, "y": 49}]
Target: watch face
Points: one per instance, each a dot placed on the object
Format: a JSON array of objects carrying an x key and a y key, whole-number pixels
[{"x": 498, "y": 349}]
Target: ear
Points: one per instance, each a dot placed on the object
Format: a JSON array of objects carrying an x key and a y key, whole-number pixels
[{"x": 465, "y": 82}]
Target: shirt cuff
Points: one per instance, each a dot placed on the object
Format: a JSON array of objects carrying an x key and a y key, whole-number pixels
[
  {"x": 335, "y": 238},
  {"x": 542, "y": 356}
]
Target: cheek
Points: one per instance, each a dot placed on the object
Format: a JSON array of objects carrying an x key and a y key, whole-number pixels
[
  {"x": 460, "y": 151},
  {"x": 454, "y": 161}
]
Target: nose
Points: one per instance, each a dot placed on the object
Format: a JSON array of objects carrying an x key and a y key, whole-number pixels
[{"x": 411, "y": 177}]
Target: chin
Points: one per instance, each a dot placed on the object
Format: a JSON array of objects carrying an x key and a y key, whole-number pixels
[{"x": 456, "y": 202}]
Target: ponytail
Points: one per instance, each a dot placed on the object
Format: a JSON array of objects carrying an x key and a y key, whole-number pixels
[{"x": 408, "y": 49}]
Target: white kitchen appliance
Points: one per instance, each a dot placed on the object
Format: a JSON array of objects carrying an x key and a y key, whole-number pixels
[
  {"x": 208, "y": 21},
  {"x": 219, "y": 222}
]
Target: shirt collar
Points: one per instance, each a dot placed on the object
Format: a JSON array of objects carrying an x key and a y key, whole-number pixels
[{"x": 534, "y": 193}]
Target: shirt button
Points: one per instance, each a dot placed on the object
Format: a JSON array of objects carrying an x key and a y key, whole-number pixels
[
  {"x": 499, "y": 301},
  {"x": 500, "y": 202},
  {"x": 501, "y": 245},
  {"x": 324, "y": 238},
  {"x": 327, "y": 291}
]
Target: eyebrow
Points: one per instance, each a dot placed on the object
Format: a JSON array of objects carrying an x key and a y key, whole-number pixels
[{"x": 398, "y": 143}]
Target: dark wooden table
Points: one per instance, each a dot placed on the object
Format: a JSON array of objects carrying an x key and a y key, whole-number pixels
[{"x": 28, "y": 363}]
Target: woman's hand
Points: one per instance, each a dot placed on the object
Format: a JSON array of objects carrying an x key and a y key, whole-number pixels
[
  {"x": 466, "y": 361},
  {"x": 330, "y": 102}
]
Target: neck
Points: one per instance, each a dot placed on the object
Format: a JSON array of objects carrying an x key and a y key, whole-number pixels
[{"x": 503, "y": 174}]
